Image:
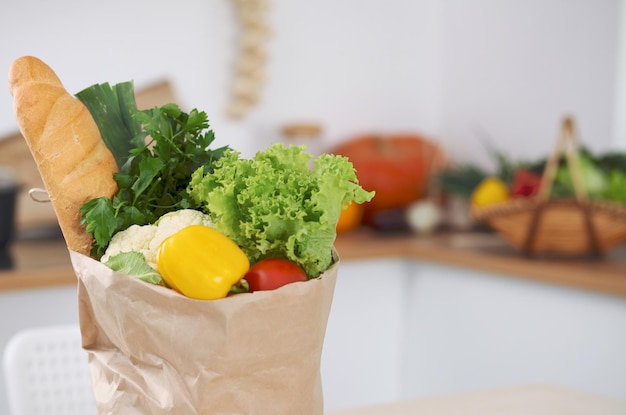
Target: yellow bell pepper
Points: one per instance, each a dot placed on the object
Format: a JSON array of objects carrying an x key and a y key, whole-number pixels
[
  {"x": 201, "y": 262},
  {"x": 489, "y": 192}
]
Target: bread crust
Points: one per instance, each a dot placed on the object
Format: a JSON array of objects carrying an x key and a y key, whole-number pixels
[{"x": 74, "y": 163}]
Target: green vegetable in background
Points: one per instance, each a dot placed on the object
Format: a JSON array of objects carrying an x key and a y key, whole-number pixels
[
  {"x": 460, "y": 181},
  {"x": 594, "y": 179},
  {"x": 611, "y": 161},
  {"x": 275, "y": 205},
  {"x": 616, "y": 187}
]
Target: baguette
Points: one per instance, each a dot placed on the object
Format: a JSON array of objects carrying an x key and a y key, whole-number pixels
[{"x": 74, "y": 163}]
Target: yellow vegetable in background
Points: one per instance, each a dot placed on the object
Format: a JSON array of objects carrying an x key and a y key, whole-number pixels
[
  {"x": 350, "y": 217},
  {"x": 201, "y": 262},
  {"x": 490, "y": 191}
]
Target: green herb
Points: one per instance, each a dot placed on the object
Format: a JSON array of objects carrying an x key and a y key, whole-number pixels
[
  {"x": 133, "y": 263},
  {"x": 113, "y": 109},
  {"x": 171, "y": 146},
  {"x": 275, "y": 205},
  {"x": 460, "y": 181}
]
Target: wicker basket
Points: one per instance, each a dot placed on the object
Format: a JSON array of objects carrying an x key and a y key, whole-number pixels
[{"x": 574, "y": 226}]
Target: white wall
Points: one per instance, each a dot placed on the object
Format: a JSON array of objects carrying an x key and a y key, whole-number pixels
[
  {"x": 447, "y": 68},
  {"x": 620, "y": 100},
  {"x": 86, "y": 42},
  {"x": 515, "y": 68}
]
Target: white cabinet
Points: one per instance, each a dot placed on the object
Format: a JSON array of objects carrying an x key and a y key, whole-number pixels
[
  {"x": 363, "y": 348},
  {"x": 469, "y": 330},
  {"x": 406, "y": 329}
]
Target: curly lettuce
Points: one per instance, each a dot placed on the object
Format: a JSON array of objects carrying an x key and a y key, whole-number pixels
[{"x": 279, "y": 205}]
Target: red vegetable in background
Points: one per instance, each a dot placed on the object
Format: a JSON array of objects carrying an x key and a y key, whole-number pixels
[
  {"x": 525, "y": 183},
  {"x": 272, "y": 273}
]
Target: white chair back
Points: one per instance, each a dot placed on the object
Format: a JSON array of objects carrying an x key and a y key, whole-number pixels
[{"x": 46, "y": 372}]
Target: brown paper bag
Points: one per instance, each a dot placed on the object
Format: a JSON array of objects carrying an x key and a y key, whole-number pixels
[{"x": 153, "y": 351}]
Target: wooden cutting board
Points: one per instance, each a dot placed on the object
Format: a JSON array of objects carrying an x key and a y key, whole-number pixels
[{"x": 15, "y": 154}]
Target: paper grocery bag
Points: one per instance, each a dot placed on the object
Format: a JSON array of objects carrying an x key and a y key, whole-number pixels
[{"x": 153, "y": 351}]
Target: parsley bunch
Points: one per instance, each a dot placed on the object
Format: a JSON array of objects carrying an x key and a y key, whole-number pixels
[{"x": 154, "y": 178}]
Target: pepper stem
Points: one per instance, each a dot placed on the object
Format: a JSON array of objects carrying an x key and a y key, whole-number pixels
[{"x": 241, "y": 287}]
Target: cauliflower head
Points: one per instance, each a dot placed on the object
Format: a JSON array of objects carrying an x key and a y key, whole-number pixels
[
  {"x": 146, "y": 239},
  {"x": 135, "y": 238}
]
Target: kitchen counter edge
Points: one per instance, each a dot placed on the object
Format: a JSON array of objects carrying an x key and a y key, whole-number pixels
[{"x": 44, "y": 264}]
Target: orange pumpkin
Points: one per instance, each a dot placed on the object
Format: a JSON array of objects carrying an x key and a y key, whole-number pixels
[{"x": 398, "y": 167}]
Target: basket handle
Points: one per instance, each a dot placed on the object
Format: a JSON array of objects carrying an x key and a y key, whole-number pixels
[{"x": 567, "y": 144}]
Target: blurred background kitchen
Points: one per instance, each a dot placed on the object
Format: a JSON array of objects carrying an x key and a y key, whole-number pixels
[
  {"x": 454, "y": 71},
  {"x": 448, "y": 69}
]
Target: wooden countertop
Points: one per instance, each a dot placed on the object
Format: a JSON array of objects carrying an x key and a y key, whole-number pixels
[
  {"x": 532, "y": 399},
  {"x": 488, "y": 252},
  {"x": 38, "y": 264},
  {"x": 46, "y": 263}
]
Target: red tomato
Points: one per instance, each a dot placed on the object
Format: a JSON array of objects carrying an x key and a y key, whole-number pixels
[{"x": 272, "y": 273}]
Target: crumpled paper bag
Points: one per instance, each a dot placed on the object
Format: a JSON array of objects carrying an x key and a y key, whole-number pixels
[{"x": 153, "y": 351}]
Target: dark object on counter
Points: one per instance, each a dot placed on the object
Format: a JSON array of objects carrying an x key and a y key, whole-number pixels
[
  {"x": 8, "y": 196},
  {"x": 7, "y": 216},
  {"x": 40, "y": 233},
  {"x": 6, "y": 260},
  {"x": 391, "y": 221}
]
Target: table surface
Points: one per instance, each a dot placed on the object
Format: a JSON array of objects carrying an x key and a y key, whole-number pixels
[{"x": 523, "y": 400}]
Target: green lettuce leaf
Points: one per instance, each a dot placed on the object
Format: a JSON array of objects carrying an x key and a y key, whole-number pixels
[{"x": 277, "y": 205}]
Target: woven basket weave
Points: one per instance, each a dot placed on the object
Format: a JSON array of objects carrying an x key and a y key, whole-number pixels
[{"x": 573, "y": 226}]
